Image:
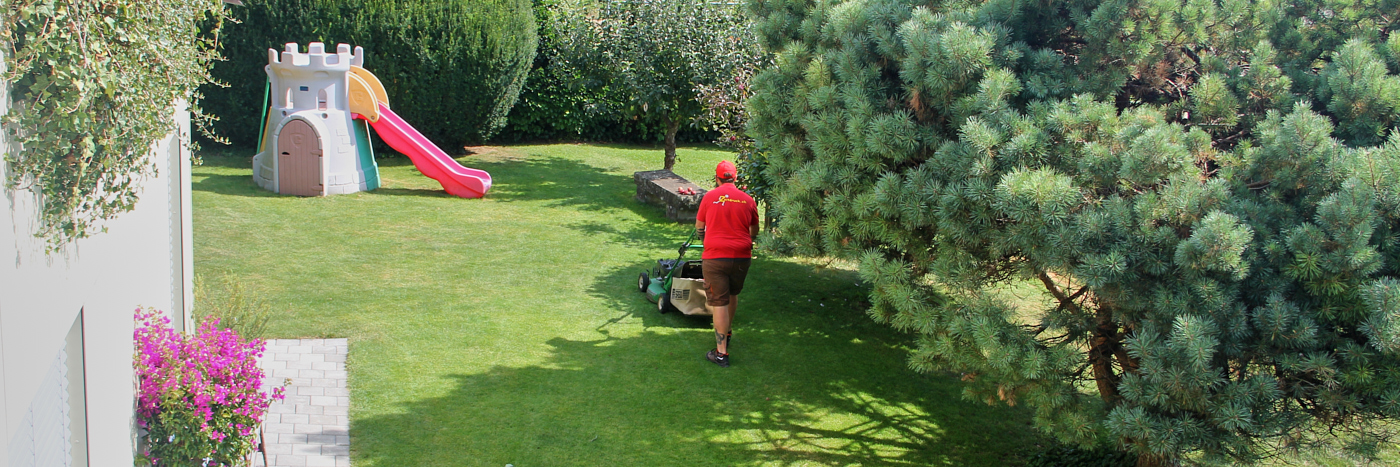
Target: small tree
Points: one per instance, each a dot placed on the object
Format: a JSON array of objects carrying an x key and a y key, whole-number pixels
[
  {"x": 726, "y": 113},
  {"x": 658, "y": 52},
  {"x": 1206, "y": 192}
]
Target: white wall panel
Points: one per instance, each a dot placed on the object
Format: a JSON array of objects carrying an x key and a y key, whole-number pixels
[{"x": 144, "y": 259}]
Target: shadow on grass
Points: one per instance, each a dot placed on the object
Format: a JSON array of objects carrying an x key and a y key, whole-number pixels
[
  {"x": 563, "y": 183},
  {"x": 228, "y": 185},
  {"x": 619, "y": 291},
  {"x": 232, "y": 185},
  {"x": 814, "y": 382},
  {"x": 657, "y": 147},
  {"x": 655, "y": 235}
]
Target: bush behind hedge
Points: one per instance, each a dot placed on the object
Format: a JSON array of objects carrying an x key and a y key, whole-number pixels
[
  {"x": 452, "y": 68},
  {"x": 554, "y": 106}
]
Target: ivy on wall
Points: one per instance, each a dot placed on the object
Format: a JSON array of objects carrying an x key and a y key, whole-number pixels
[{"x": 93, "y": 86}]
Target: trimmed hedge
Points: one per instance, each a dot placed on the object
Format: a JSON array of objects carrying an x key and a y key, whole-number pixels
[{"x": 452, "y": 68}]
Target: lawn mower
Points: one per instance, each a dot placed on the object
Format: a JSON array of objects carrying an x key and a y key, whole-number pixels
[{"x": 676, "y": 284}]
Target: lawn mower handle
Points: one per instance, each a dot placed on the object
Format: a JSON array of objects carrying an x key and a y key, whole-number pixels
[{"x": 688, "y": 245}]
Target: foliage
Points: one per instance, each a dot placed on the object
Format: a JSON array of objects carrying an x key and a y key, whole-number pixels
[
  {"x": 199, "y": 397},
  {"x": 451, "y": 68},
  {"x": 562, "y": 103},
  {"x": 1074, "y": 456},
  {"x": 232, "y": 306},
  {"x": 655, "y": 55},
  {"x": 1205, "y": 191},
  {"x": 94, "y": 85},
  {"x": 725, "y": 112}
]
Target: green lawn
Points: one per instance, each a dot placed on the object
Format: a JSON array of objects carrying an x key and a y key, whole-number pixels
[{"x": 509, "y": 329}]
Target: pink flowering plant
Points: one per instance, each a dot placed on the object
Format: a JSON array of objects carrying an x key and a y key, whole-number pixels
[{"x": 199, "y": 397}]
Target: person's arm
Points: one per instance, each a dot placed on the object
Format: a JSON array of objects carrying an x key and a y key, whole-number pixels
[
  {"x": 700, "y": 218},
  {"x": 753, "y": 228}
]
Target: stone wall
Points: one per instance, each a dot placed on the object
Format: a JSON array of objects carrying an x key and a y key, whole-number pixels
[{"x": 663, "y": 188}]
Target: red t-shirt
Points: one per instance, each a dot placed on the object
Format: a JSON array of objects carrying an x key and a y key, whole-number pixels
[{"x": 728, "y": 213}]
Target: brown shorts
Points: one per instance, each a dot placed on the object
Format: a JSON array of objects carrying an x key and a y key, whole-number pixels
[{"x": 723, "y": 277}]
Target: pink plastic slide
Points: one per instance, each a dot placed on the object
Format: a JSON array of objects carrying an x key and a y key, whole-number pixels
[{"x": 457, "y": 180}]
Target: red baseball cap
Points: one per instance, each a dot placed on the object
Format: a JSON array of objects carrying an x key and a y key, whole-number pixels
[{"x": 725, "y": 170}]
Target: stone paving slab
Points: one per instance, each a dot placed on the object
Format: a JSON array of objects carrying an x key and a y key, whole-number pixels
[{"x": 311, "y": 427}]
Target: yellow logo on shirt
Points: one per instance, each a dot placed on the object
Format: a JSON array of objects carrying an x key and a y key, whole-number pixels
[{"x": 725, "y": 199}]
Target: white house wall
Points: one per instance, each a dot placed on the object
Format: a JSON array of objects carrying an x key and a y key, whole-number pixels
[{"x": 143, "y": 260}]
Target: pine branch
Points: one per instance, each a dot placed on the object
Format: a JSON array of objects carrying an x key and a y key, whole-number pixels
[
  {"x": 1129, "y": 364},
  {"x": 1079, "y": 372},
  {"x": 1066, "y": 301},
  {"x": 1192, "y": 54},
  {"x": 1056, "y": 340}
]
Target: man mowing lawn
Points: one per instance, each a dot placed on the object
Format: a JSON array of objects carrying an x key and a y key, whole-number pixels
[{"x": 727, "y": 223}]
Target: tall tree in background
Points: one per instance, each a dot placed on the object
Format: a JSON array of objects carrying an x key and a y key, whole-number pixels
[
  {"x": 1208, "y": 194},
  {"x": 657, "y": 52}
]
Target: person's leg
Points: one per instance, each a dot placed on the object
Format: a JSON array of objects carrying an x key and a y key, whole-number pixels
[
  {"x": 736, "y": 271},
  {"x": 718, "y": 299},
  {"x": 724, "y": 318}
]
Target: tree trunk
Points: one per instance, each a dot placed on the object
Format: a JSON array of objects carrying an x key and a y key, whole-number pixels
[
  {"x": 1149, "y": 460},
  {"x": 1102, "y": 345},
  {"x": 768, "y": 217},
  {"x": 1101, "y": 350},
  {"x": 672, "y": 126}
]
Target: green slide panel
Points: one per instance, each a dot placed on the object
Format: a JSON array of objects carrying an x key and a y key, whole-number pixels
[{"x": 367, "y": 163}]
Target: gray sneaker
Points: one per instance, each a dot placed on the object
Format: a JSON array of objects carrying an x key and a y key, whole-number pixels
[{"x": 721, "y": 359}]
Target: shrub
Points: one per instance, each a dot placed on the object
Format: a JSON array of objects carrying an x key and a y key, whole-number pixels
[
  {"x": 1074, "y": 456},
  {"x": 231, "y": 306},
  {"x": 452, "y": 68},
  {"x": 653, "y": 57},
  {"x": 198, "y": 397},
  {"x": 725, "y": 105},
  {"x": 578, "y": 102}
]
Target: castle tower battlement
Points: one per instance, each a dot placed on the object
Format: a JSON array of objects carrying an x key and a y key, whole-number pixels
[
  {"x": 316, "y": 57},
  {"x": 314, "y": 80}
]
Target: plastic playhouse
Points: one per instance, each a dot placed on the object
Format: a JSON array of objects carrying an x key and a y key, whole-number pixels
[{"x": 315, "y": 137}]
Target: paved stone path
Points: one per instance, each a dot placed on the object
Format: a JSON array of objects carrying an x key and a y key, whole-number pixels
[{"x": 311, "y": 427}]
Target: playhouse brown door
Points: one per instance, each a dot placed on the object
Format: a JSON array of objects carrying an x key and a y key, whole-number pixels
[{"x": 299, "y": 160}]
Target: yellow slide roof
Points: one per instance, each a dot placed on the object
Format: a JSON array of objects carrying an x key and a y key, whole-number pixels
[{"x": 366, "y": 93}]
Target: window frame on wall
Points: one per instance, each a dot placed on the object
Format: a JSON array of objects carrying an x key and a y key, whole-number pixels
[{"x": 76, "y": 358}]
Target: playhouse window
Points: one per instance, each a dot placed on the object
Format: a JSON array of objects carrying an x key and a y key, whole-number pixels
[
  {"x": 321, "y": 100},
  {"x": 288, "y": 99}
]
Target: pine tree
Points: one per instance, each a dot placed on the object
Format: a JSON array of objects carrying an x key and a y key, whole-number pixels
[{"x": 1207, "y": 192}]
